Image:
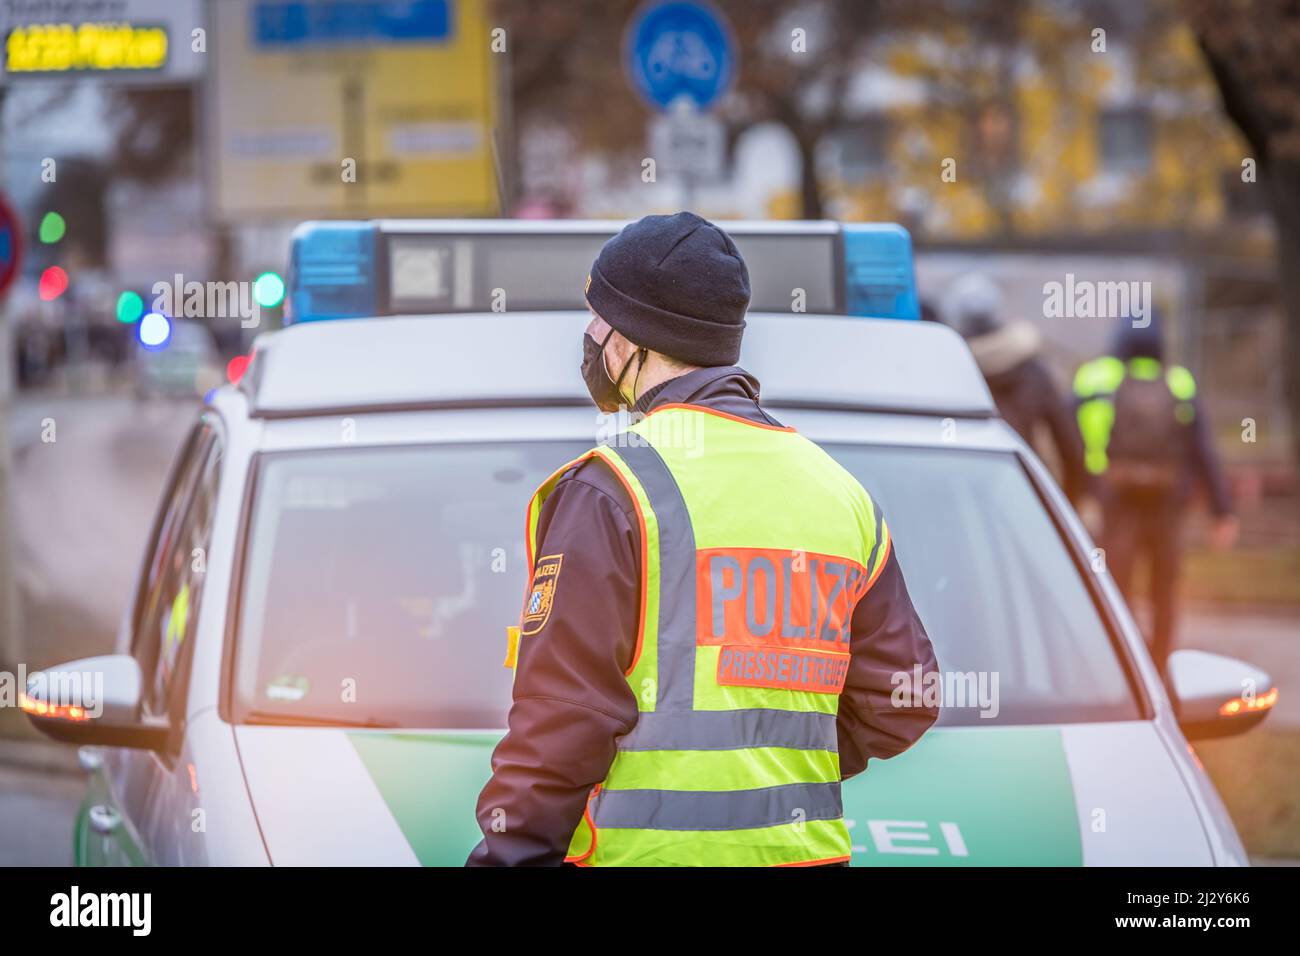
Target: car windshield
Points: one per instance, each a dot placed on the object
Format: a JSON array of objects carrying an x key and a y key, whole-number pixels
[{"x": 378, "y": 584}]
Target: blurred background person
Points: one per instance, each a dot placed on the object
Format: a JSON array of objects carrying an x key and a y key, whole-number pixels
[
  {"x": 1009, "y": 355},
  {"x": 1148, "y": 447}
]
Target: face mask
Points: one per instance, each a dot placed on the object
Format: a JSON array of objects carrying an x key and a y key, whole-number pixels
[{"x": 604, "y": 392}]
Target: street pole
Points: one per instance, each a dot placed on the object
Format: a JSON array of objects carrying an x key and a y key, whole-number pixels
[{"x": 10, "y": 645}]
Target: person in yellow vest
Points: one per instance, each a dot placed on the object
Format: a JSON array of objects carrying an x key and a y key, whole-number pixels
[
  {"x": 715, "y": 620},
  {"x": 1147, "y": 447}
]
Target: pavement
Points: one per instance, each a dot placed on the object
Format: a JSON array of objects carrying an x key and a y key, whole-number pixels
[
  {"x": 36, "y": 813},
  {"x": 1267, "y": 639},
  {"x": 41, "y": 788},
  {"x": 84, "y": 503}
]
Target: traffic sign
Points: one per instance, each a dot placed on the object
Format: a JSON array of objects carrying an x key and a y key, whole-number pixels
[
  {"x": 11, "y": 245},
  {"x": 380, "y": 108},
  {"x": 301, "y": 23},
  {"x": 688, "y": 142},
  {"x": 678, "y": 49}
]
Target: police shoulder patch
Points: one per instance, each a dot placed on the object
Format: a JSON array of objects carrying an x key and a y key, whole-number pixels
[{"x": 541, "y": 596}]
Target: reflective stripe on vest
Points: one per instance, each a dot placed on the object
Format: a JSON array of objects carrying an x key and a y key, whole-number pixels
[
  {"x": 746, "y": 593},
  {"x": 1095, "y": 385}
]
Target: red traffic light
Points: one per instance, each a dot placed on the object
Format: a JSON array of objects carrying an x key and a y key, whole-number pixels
[
  {"x": 54, "y": 282},
  {"x": 236, "y": 368}
]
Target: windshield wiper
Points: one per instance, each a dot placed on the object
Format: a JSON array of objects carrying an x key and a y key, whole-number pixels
[{"x": 307, "y": 720}]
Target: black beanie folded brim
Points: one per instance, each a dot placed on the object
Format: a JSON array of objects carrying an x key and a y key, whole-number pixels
[
  {"x": 694, "y": 341},
  {"x": 674, "y": 284}
]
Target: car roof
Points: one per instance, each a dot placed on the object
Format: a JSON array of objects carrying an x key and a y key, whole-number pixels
[{"x": 529, "y": 359}]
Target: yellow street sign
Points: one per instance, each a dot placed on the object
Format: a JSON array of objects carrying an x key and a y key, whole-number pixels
[{"x": 357, "y": 108}]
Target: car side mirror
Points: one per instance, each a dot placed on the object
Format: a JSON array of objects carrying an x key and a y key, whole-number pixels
[
  {"x": 94, "y": 700},
  {"x": 1218, "y": 696}
]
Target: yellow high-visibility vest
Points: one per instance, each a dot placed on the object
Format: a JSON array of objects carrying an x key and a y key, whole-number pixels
[
  {"x": 756, "y": 546},
  {"x": 1095, "y": 385}
]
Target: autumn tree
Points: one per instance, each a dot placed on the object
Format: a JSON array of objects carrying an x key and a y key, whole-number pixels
[{"x": 1253, "y": 51}]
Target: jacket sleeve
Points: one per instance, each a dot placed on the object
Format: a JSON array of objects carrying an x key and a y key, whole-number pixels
[
  {"x": 1205, "y": 462},
  {"x": 1062, "y": 423},
  {"x": 887, "y": 638},
  {"x": 571, "y": 698}
]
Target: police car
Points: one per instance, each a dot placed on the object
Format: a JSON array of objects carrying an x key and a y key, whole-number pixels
[{"x": 310, "y": 671}]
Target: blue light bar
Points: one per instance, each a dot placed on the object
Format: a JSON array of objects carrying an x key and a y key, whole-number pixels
[
  {"x": 340, "y": 269},
  {"x": 879, "y": 280},
  {"x": 333, "y": 272}
]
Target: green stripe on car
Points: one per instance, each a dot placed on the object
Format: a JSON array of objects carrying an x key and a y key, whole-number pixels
[{"x": 996, "y": 796}]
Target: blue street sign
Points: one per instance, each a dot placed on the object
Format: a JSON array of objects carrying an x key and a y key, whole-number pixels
[
  {"x": 677, "y": 49},
  {"x": 299, "y": 23}
]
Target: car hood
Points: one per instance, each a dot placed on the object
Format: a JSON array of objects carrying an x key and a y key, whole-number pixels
[{"x": 1079, "y": 794}]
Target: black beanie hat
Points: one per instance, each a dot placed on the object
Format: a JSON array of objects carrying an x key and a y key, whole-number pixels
[{"x": 676, "y": 285}]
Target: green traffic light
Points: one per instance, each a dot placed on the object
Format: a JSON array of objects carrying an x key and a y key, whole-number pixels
[
  {"x": 52, "y": 228},
  {"x": 129, "y": 307},
  {"x": 268, "y": 290}
]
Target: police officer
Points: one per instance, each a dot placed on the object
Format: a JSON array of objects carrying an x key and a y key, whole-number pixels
[
  {"x": 1148, "y": 445},
  {"x": 716, "y": 616}
]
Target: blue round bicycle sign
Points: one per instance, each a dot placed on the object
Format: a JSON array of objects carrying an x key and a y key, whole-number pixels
[{"x": 679, "y": 49}]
